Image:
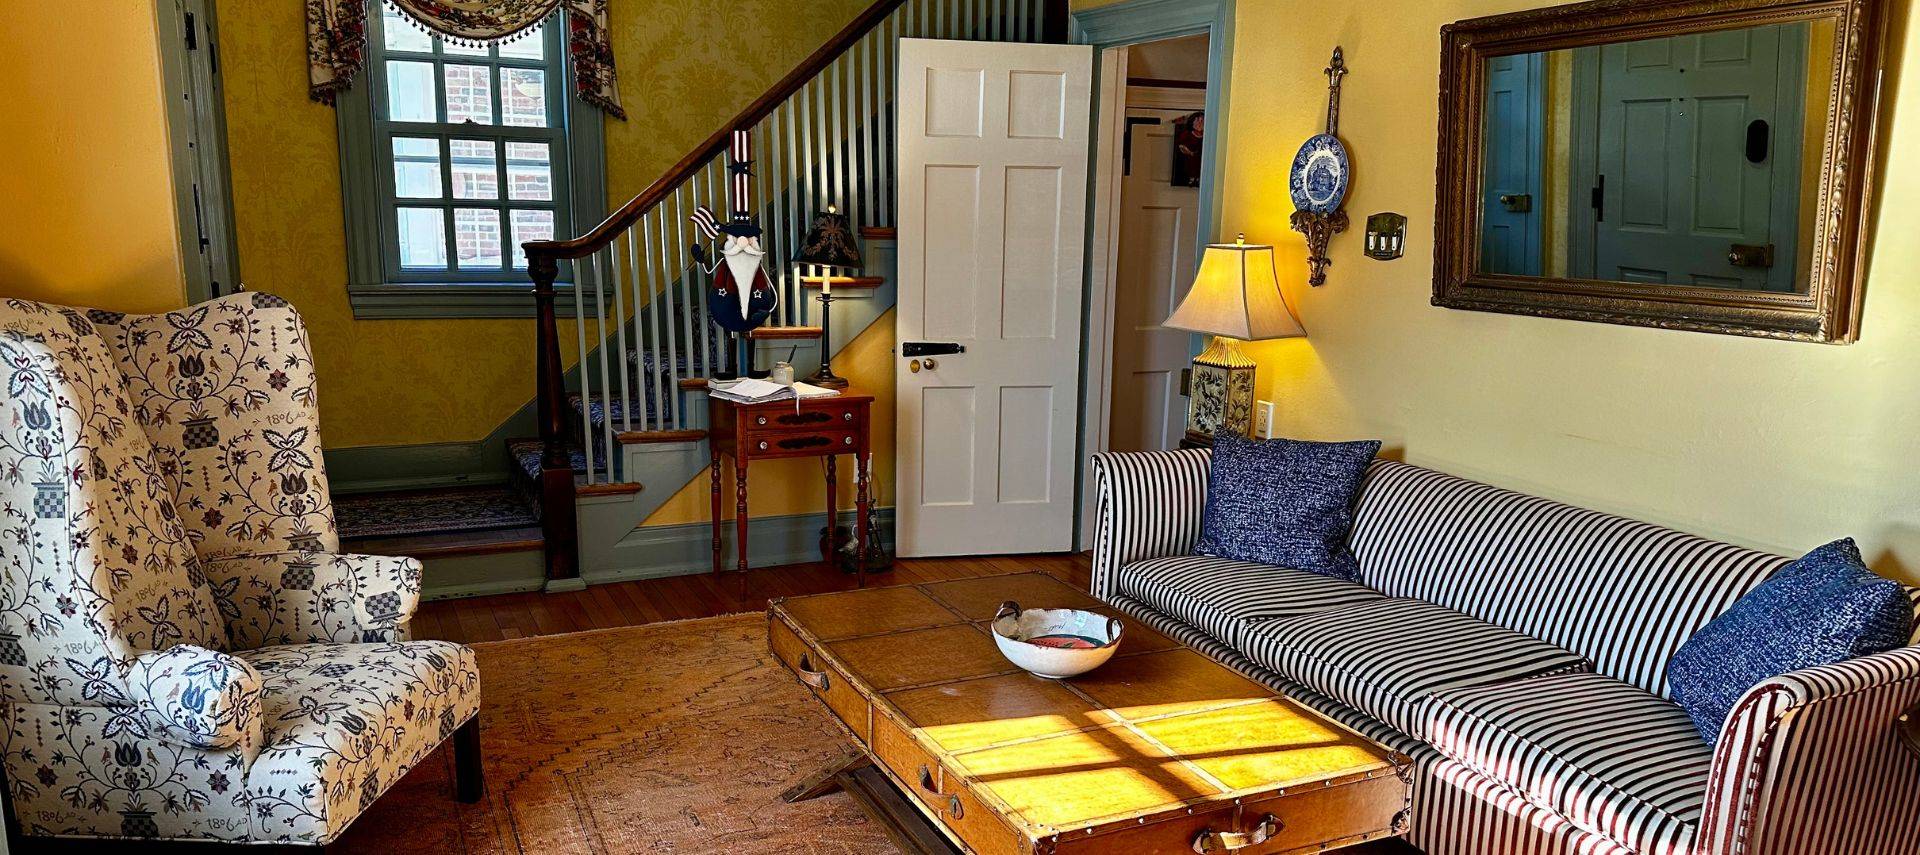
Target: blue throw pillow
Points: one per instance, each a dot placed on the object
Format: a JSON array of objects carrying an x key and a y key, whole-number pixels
[
  {"x": 1825, "y": 608},
  {"x": 1285, "y": 502}
]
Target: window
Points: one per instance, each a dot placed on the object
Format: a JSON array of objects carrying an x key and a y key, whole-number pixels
[{"x": 453, "y": 156}]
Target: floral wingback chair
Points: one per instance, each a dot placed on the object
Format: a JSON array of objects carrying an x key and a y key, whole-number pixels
[{"x": 182, "y": 653}]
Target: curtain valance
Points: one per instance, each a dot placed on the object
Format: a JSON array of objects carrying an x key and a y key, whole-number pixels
[{"x": 337, "y": 38}]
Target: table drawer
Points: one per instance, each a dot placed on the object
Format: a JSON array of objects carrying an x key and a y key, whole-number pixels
[
  {"x": 804, "y": 443},
  {"x": 815, "y": 418},
  {"x": 828, "y": 683}
]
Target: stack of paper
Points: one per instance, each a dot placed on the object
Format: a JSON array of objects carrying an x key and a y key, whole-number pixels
[{"x": 752, "y": 391}]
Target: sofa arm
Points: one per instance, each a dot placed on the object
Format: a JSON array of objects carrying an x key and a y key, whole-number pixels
[
  {"x": 198, "y": 698},
  {"x": 1819, "y": 760},
  {"x": 314, "y": 598},
  {"x": 1149, "y": 505}
]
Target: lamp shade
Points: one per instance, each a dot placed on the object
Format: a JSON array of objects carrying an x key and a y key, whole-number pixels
[
  {"x": 829, "y": 242},
  {"x": 1237, "y": 295}
]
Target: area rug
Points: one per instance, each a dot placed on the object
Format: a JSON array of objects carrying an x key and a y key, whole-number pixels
[
  {"x": 668, "y": 738},
  {"x": 430, "y": 512}
]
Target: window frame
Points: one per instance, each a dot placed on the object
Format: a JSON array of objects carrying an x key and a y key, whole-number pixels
[{"x": 377, "y": 286}]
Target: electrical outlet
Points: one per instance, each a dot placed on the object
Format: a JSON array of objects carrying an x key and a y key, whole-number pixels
[{"x": 1263, "y": 420}]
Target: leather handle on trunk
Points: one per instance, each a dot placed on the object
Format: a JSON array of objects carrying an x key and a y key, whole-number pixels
[
  {"x": 1209, "y": 841},
  {"x": 816, "y": 679}
]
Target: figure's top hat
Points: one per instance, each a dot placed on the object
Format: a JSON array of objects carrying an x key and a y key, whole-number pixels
[{"x": 741, "y": 225}]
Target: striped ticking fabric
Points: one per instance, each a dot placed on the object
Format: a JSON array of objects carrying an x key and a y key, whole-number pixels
[
  {"x": 1612, "y": 758},
  {"x": 1388, "y": 657},
  {"x": 1148, "y": 506},
  {"x": 1623, "y": 593},
  {"x": 1219, "y": 595},
  {"x": 1814, "y": 762},
  {"x": 1457, "y": 811}
]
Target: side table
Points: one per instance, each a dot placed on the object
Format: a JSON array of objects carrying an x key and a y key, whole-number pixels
[{"x": 819, "y": 427}]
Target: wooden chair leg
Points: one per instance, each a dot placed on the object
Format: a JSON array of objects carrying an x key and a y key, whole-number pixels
[{"x": 470, "y": 783}]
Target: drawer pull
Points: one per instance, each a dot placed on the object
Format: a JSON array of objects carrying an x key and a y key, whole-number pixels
[
  {"x": 926, "y": 780},
  {"x": 763, "y": 445},
  {"x": 846, "y": 416},
  {"x": 763, "y": 420},
  {"x": 816, "y": 679},
  {"x": 1209, "y": 841},
  {"x": 847, "y": 440}
]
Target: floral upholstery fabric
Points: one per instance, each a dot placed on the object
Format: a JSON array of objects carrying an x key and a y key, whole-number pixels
[
  {"x": 314, "y": 597},
  {"x": 346, "y": 721},
  {"x": 198, "y": 697},
  {"x": 225, "y": 390},
  {"x": 163, "y": 522}
]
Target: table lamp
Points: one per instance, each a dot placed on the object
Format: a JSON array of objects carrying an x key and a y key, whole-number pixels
[
  {"x": 829, "y": 244},
  {"x": 1235, "y": 297}
]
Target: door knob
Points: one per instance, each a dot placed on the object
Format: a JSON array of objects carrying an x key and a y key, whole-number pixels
[
  {"x": 930, "y": 363},
  {"x": 913, "y": 365}
]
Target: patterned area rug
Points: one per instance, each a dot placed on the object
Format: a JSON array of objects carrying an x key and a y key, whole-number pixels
[
  {"x": 430, "y": 511},
  {"x": 667, "y": 738}
]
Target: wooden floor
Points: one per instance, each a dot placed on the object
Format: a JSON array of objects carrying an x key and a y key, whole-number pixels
[
  {"x": 705, "y": 595},
  {"x": 685, "y": 597}
]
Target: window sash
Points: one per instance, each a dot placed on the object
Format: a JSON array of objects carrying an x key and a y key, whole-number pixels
[{"x": 555, "y": 136}]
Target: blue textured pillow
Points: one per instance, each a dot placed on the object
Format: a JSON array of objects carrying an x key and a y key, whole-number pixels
[
  {"x": 1825, "y": 608},
  {"x": 1285, "y": 502}
]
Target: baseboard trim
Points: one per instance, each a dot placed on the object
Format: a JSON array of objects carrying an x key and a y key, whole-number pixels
[
  {"x": 381, "y": 468},
  {"x": 659, "y": 551}
]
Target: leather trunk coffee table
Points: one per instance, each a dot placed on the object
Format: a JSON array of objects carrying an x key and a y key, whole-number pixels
[{"x": 1161, "y": 750}]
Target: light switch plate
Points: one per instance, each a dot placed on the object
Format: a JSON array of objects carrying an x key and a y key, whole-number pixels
[{"x": 1263, "y": 420}]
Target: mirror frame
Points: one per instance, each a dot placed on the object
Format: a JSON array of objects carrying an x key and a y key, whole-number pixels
[{"x": 1829, "y": 309}]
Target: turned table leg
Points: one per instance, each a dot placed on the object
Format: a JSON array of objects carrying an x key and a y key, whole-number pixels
[
  {"x": 740, "y": 509},
  {"x": 827, "y": 543},
  {"x": 716, "y": 511}
]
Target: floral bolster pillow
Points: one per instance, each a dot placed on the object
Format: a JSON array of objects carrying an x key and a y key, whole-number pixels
[{"x": 197, "y": 697}]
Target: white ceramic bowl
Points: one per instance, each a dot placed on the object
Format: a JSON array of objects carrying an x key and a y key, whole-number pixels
[{"x": 1055, "y": 643}]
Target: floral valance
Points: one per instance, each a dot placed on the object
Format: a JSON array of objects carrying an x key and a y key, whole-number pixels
[{"x": 337, "y": 38}]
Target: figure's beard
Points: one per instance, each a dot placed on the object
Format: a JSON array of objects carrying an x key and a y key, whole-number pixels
[{"x": 743, "y": 261}]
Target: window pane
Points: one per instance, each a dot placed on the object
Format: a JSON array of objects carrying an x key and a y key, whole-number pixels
[
  {"x": 423, "y": 239},
  {"x": 531, "y": 44},
  {"x": 529, "y": 225},
  {"x": 402, "y": 34},
  {"x": 529, "y": 173},
  {"x": 523, "y": 97},
  {"x": 476, "y": 170},
  {"x": 416, "y": 168},
  {"x": 461, "y": 50},
  {"x": 469, "y": 94},
  {"x": 476, "y": 234},
  {"x": 410, "y": 95}
]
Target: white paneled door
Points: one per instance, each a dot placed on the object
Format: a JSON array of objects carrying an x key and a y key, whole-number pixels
[
  {"x": 1159, "y": 245},
  {"x": 992, "y": 221}
]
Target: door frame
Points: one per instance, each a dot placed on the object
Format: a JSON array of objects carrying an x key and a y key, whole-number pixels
[
  {"x": 1111, "y": 30},
  {"x": 197, "y": 139}
]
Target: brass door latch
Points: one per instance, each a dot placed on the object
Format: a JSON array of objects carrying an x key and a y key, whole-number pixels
[{"x": 1750, "y": 255}]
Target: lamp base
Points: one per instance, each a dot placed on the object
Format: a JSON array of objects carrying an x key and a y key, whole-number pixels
[
  {"x": 1220, "y": 393},
  {"x": 826, "y": 379}
]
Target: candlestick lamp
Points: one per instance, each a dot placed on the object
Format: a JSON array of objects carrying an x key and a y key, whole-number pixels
[{"x": 829, "y": 245}]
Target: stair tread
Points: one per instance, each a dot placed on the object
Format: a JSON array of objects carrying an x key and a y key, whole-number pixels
[
  {"x": 877, "y": 232},
  {"x": 635, "y": 437},
  {"x": 784, "y": 332},
  {"x": 844, "y": 281},
  {"x": 442, "y": 544}
]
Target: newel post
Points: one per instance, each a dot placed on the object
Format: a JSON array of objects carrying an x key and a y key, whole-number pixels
[{"x": 558, "y": 523}]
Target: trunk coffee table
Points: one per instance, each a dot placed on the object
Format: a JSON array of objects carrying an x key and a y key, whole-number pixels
[{"x": 1161, "y": 750}]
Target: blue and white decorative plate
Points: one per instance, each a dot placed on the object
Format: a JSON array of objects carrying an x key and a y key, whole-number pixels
[{"x": 1319, "y": 176}]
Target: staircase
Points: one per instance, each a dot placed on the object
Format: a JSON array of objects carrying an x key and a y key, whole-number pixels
[{"x": 631, "y": 410}]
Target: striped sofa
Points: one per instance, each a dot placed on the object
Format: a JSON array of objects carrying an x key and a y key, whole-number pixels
[{"x": 1517, "y": 649}]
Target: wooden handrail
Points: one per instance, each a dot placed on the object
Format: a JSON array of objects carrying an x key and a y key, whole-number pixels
[{"x": 630, "y": 213}]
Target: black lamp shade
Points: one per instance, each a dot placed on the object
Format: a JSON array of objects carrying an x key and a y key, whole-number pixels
[{"x": 829, "y": 242}]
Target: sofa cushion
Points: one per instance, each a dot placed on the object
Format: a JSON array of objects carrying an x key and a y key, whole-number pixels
[
  {"x": 1386, "y": 658},
  {"x": 1219, "y": 595},
  {"x": 346, "y": 721},
  {"x": 1284, "y": 501},
  {"x": 1825, "y": 608},
  {"x": 1612, "y": 758},
  {"x": 1620, "y": 592}
]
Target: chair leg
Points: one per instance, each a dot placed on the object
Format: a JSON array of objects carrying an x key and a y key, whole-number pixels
[{"x": 470, "y": 783}]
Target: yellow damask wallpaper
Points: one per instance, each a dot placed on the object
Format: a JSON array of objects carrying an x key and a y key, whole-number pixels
[{"x": 390, "y": 382}]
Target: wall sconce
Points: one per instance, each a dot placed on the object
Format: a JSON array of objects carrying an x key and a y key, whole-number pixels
[{"x": 1386, "y": 236}]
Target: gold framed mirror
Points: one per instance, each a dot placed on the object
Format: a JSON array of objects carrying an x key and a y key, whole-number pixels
[{"x": 1688, "y": 164}]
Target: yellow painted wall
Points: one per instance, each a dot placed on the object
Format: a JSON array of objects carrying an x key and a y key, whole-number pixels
[
  {"x": 405, "y": 381},
  {"x": 796, "y": 486},
  {"x": 83, "y": 136},
  {"x": 1773, "y": 444}
]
